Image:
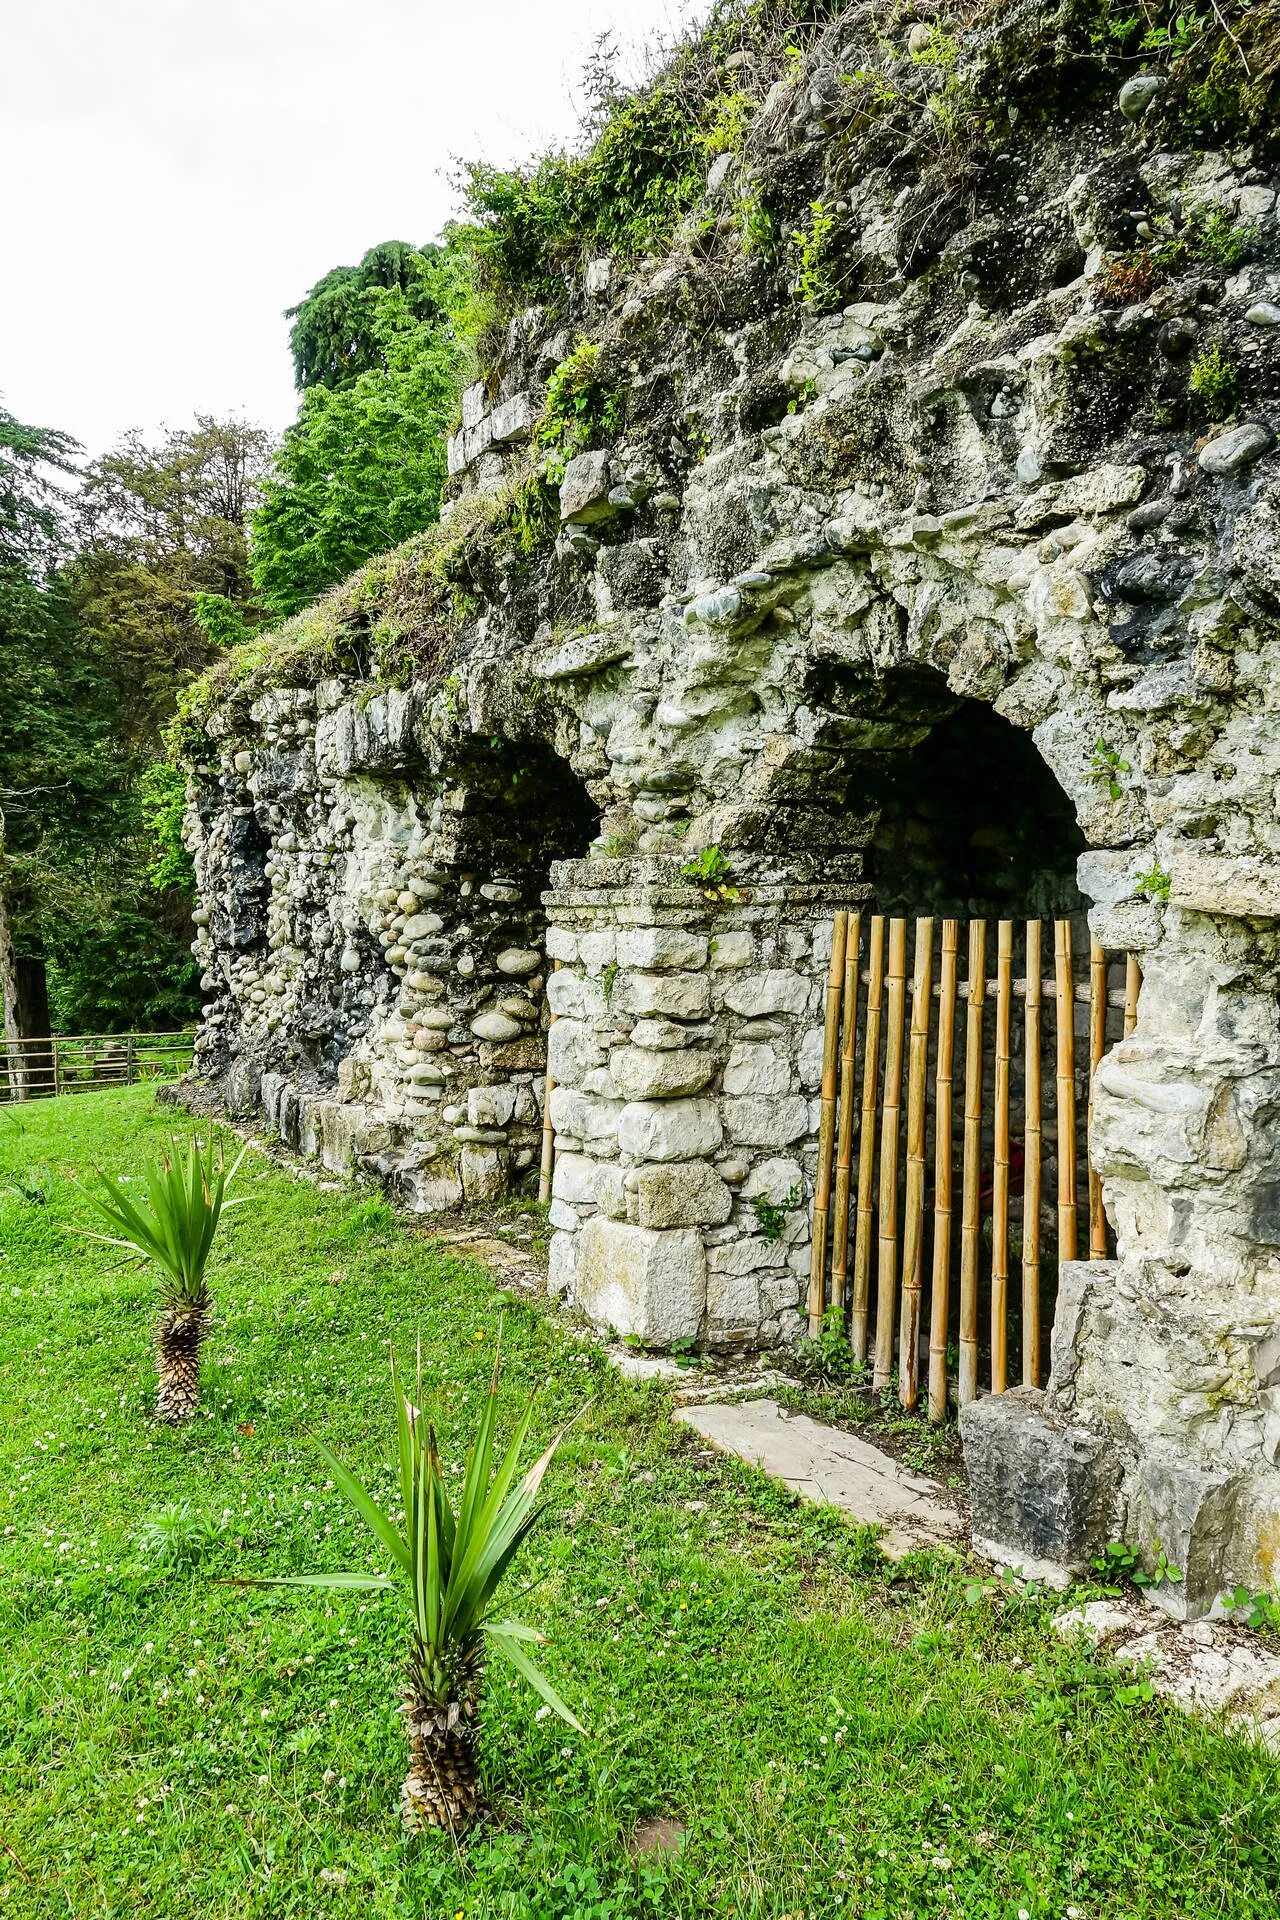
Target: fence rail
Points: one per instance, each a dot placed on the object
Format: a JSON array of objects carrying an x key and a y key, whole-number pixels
[
  {"x": 88, "y": 1062},
  {"x": 877, "y": 1227}
]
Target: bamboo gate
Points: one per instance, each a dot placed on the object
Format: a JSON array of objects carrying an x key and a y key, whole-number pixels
[{"x": 883, "y": 1218}]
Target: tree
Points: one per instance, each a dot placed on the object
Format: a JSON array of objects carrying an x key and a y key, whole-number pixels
[
  {"x": 363, "y": 466},
  {"x": 335, "y": 332},
  {"x": 33, "y": 533}
]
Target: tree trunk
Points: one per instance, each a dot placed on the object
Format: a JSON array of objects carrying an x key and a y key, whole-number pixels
[
  {"x": 178, "y": 1340},
  {"x": 442, "y": 1788},
  {"x": 28, "y": 1052}
]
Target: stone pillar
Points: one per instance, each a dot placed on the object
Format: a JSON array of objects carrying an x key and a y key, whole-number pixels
[
  {"x": 686, "y": 1053},
  {"x": 1161, "y": 1418}
]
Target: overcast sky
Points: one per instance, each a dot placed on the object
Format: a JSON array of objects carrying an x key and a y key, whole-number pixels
[{"x": 177, "y": 172}]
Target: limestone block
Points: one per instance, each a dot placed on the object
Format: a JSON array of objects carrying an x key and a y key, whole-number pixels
[
  {"x": 655, "y": 948},
  {"x": 574, "y": 1179},
  {"x": 679, "y": 996},
  {"x": 748, "y": 1255},
  {"x": 513, "y": 420},
  {"x": 809, "y": 1058},
  {"x": 774, "y": 1180},
  {"x": 582, "y": 1118},
  {"x": 641, "y": 1280},
  {"x": 611, "y": 1192},
  {"x": 664, "y": 1034},
  {"x": 669, "y": 1129},
  {"x": 639, "y": 1073},
  {"x": 683, "y": 1193},
  {"x": 1190, "y": 1511},
  {"x": 584, "y": 490},
  {"x": 597, "y": 950},
  {"x": 562, "y": 945},
  {"x": 756, "y": 1069},
  {"x": 490, "y": 1106},
  {"x": 756, "y": 1121},
  {"x": 1038, "y": 1489},
  {"x": 733, "y": 1303},
  {"x": 561, "y": 1264},
  {"x": 731, "y": 950},
  {"x": 1220, "y": 883},
  {"x": 777, "y": 991},
  {"x": 483, "y": 1171},
  {"x": 572, "y": 1052}
]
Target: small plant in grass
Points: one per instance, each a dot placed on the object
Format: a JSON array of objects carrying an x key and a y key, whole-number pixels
[
  {"x": 174, "y": 1223},
  {"x": 34, "y": 1189},
  {"x": 175, "y": 1537},
  {"x": 771, "y": 1216},
  {"x": 447, "y": 1563},
  {"x": 828, "y": 1356},
  {"x": 1120, "y": 1564},
  {"x": 711, "y": 874},
  {"x": 1260, "y": 1611},
  {"x": 374, "y": 1214},
  {"x": 1108, "y": 768}
]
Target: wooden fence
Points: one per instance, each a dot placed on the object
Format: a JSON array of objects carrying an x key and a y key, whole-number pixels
[
  {"x": 88, "y": 1062},
  {"x": 882, "y": 1217}
]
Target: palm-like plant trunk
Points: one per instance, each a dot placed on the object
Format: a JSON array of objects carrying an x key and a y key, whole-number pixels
[
  {"x": 442, "y": 1787},
  {"x": 178, "y": 1338}
]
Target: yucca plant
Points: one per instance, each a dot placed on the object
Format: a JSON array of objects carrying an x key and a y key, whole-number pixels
[
  {"x": 173, "y": 1222},
  {"x": 447, "y": 1564}
]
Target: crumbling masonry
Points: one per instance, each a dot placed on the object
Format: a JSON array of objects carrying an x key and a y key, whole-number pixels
[{"x": 819, "y": 538}]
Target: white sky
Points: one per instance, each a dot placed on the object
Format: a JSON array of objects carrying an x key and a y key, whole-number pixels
[{"x": 177, "y": 172}]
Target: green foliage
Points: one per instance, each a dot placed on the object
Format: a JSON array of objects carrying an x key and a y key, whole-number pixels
[
  {"x": 812, "y": 243},
  {"x": 608, "y": 975},
  {"x": 1259, "y": 1611},
  {"x": 711, "y": 873},
  {"x": 163, "y": 795},
  {"x": 1107, "y": 768},
  {"x": 759, "y": 234},
  {"x": 827, "y": 1356},
  {"x": 771, "y": 1217},
  {"x": 448, "y": 1561},
  {"x": 1121, "y": 1564},
  {"x": 337, "y": 331},
  {"x": 939, "y": 50},
  {"x": 363, "y": 466},
  {"x": 1213, "y": 378},
  {"x": 175, "y": 1225},
  {"x": 220, "y": 619},
  {"x": 1153, "y": 883},
  {"x": 582, "y": 409},
  {"x": 176, "y": 1537}
]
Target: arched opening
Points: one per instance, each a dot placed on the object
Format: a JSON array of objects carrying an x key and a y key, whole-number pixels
[{"x": 972, "y": 823}]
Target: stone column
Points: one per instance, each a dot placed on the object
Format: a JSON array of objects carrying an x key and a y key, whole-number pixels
[
  {"x": 1161, "y": 1419},
  {"x": 686, "y": 1053}
]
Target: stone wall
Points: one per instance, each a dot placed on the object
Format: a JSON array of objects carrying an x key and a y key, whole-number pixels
[{"x": 985, "y": 478}]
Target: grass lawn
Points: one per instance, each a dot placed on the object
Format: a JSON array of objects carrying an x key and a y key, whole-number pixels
[{"x": 836, "y": 1738}]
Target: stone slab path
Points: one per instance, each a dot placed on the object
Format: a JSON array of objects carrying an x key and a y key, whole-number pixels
[{"x": 831, "y": 1468}]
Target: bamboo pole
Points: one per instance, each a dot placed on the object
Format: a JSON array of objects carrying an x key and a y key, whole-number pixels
[
  {"x": 1097, "y": 1047},
  {"x": 890, "y": 1142},
  {"x": 940, "y": 1302},
  {"x": 971, "y": 1199},
  {"x": 547, "y": 1167},
  {"x": 1000, "y": 1163},
  {"x": 867, "y": 1140},
  {"x": 844, "y": 1144},
  {"x": 827, "y": 1126},
  {"x": 1132, "y": 983},
  {"x": 1066, "y": 1104},
  {"x": 1033, "y": 1149},
  {"x": 917, "y": 1127}
]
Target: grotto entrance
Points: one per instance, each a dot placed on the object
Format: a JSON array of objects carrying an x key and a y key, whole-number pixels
[
  {"x": 966, "y": 1010},
  {"x": 470, "y": 1028}
]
